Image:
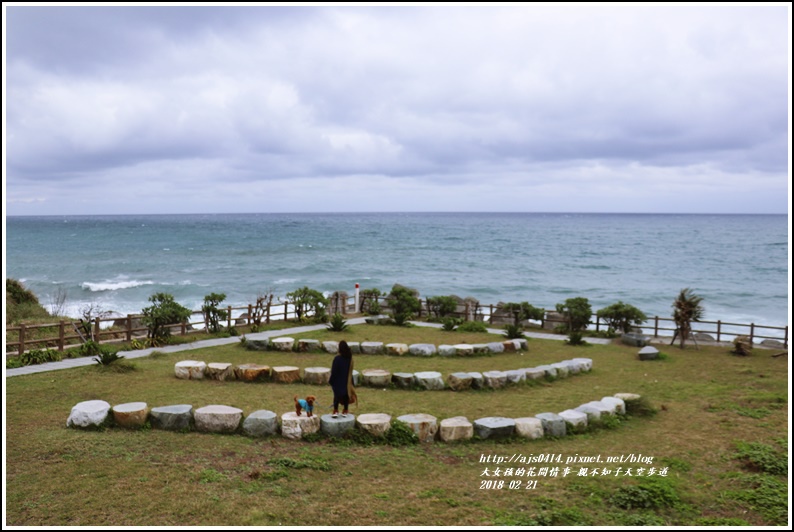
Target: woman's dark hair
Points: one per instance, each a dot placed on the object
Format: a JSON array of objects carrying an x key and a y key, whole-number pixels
[{"x": 344, "y": 350}]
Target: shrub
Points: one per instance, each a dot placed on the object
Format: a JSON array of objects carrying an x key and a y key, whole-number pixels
[
  {"x": 404, "y": 304},
  {"x": 576, "y": 312},
  {"x": 337, "y": 323},
  {"x": 368, "y": 301},
  {"x": 441, "y": 306},
  {"x": 449, "y": 324},
  {"x": 621, "y": 316},
  {"x": 212, "y": 314},
  {"x": 472, "y": 327},
  {"x": 762, "y": 457},
  {"x": 513, "y": 331},
  {"x": 107, "y": 357},
  {"x": 523, "y": 311},
  {"x": 575, "y": 338},
  {"x": 163, "y": 312},
  {"x": 651, "y": 493},
  {"x": 308, "y": 301},
  {"x": 39, "y": 356},
  {"x": 687, "y": 307}
]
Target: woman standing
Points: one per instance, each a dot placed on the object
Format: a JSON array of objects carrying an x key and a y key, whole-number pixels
[{"x": 341, "y": 379}]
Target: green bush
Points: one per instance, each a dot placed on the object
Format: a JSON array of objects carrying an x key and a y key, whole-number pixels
[
  {"x": 449, "y": 324},
  {"x": 404, "y": 304},
  {"x": 576, "y": 312},
  {"x": 472, "y": 327},
  {"x": 762, "y": 457},
  {"x": 309, "y": 302},
  {"x": 621, "y": 316},
  {"x": 441, "y": 306},
  {"x": 337, "y": 323},
  {"x": 163, "y": 312},
  {"x": 212, "y": 314},
  {"x": 651, "y": 493},
  {"x": 39, "y": 356},
  {"x": 368, "y": 301},
  {"x": 575, "y": 338},
  {"x": 513, "y": 331},
  {"x": 523, "y": 311}
]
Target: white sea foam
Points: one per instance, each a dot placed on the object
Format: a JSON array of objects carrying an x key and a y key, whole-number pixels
[{"x": 113, "y": 285}]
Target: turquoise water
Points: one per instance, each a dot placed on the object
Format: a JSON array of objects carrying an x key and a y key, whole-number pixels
[{"x": 738, "y": 263}]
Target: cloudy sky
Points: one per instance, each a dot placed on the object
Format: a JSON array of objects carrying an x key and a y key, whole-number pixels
[{"x": 324, "y": 109}]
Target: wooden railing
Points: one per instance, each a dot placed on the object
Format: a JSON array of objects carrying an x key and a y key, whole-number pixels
[{"x": 64, "y": 333}]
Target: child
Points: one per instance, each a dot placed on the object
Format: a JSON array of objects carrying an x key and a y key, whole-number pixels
[{"x": 341, "y": 379}]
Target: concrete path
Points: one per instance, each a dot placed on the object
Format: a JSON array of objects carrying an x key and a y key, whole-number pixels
[{"x": 213, "y": 342}]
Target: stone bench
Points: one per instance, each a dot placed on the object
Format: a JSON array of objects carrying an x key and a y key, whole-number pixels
[
  {"x": 549, "y": 371},
  {"x": 375, "y": 377},
  {"x": 585, "y": 364},
  {"x": 286, "y": 374},
  {"x": 529, "y": 427},
  {"x": 576, "y": 419},
  {"x": 374, "y": 424},
  {"x": 477, "y": 380},
  {"x": 217, "y": 418},
  {"x": 459, "y": 381},
  {"x": 648, "y": 353},
  {"x": 396, "y": 349},
  {"x": 562, "y": 369},
  {"x": 173, "y": 417},
  {"x": 422, "y": 349},
  {"x": 220, "y": 371},
  {"x": 372, "y": 348},
  {"x": 294, "y": 426},
  {"x": 446, "y": 350},
  {"x": 455, "y": 428},
  {"x": 534, "y": 374},
  {"x": 283, "y": 344},
  {"x": 516, "y": 376},
  {"x": 429, "y": 380},
  {"x": 494, "y": 427},
  {"x": 89, "y": 414},
  {"x": 424, "y": 426},
  {"x": 190, "y": 369},
  {"x": 494, "y": 379},
  {"x": 618, "y": 404},
  {"x": 131, "y": 415},
  {"x": 260, "y": 424},
  {"x": 316, "y": 375},
  {"x": 252, "y": 372},
  {"x": 306, "y": 346},
  {"x": 403, "y": 380},
  {"x": 337, "y": 426},
  {"x": 553, "y": 424},
  {"x": 463, "y": 350}
]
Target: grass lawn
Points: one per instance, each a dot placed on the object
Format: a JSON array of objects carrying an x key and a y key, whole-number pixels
[{"x": 721, "y": 430}]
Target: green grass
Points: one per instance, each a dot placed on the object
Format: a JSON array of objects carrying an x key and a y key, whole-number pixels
[{"x": 57, "y": 476}]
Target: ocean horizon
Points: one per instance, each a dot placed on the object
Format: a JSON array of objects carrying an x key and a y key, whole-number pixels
[{"x": 737, "y": 262}]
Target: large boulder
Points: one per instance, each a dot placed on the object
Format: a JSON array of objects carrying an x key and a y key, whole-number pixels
[
  {"x": 553, "y": 424},
  {"x": 425, "y": 350},
  {"x": 131, "y": 415},
  {"x": 316, "y": 375},
  {"x": 260, "y": 424},
  {"x": 190, "y": 369},
  {"x": 172, "y": 417},
  {"x": 429, "y": 380},
  {"x": 529, "y": 427},
  {"x": 217, "y": 418},
  {"x": 89, "y": 414},
  {"x": 252, "y": 372},
  {"x": 455, "y": 428},
  {"x": 424, "y": 426},
  {"x": 374, "y": 424},
  {"x": 494, "y": 427}
]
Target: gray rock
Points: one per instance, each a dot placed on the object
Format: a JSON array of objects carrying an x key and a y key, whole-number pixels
[
  {"x": 337, "y": 426},
  {"x": 481, "y": 349},
  {"x": 495, "y": 379},
  {"x": 131, "y": 415},
  {"x": 190, "y": 369},
  {"x": 455, "y": 428},
  {"x": 425, "y": 350},
  {"x": 220, "y": 371},
  {"x": 516, "y": 376},
  {"x": 379, "y": 378},
  {"x": 355, "y": 347},
  {"x": 403, "y": 380},
  {"x": 294, "y": 427},
  {"x": 619, "y": 404},
  {"x": 217, "y": 418},
  {"x": 576, "y": 419},
  {"x": 494, "y": 427},
  {"x": 89, "y": 414},
  {"x": 260, "y": 424},
  {"x": 464, "y": 350},
  {"x": 534, "y": 373},
  {"x": 496, "y": 347},
  {"x": 520, "y": 343},
  {"x": 372, "y": 348},
  {"x": 602, "y": 408},
  {"x": 257, "y": 345},
  {"x": 593, "y": 413},
  {"x": 648, "y": 353},
  {"x": 396, "y": 349},
  {"x": 283, "y": 344},
  {"x": 356, "y": 377},
  {"x": 424, "y": 426},
  {"x": 173, "y": 417},
  {"x": 446, "y": 350},
  {"x": 429, "y": 380},
  {"x": 477, "y": 380},
  {"x": 529, "y": 427},
  {"x": 573, "y": 367},
  {"x": 306, "y": 346},
  {"x": 331, "y": 347},
  {"x": 628, "y": 396},
  {"x": 634, "y": 339},
  {"x": 585, "y": 364},
  {"x": 316, "y": 375},
  {"x": 459, "y": 381},
  {"x": 374, "y": 424},
  {"x": 773, "y": 344},
  {"x": 562, "y": 369},
  {"x": 553, "y": 424},
  {"x": 548, "y": 370}
]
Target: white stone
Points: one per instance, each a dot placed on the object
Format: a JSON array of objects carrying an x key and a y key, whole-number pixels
[
  {"x": 496, "y": 347},
  {"x": 260, "y": 423},
  {"x": 529, "y": 427},
  {"x": 446, "y": 350},
  {"x": 316, "y": 375},
  {"x": 396, "y": 349},
  {"x": 593, "y": 413},
  {"x": 550, "y": 371},
  {"x": 494, "y": 379},
  {"x": 628, "y": 396},
  {"x": 88, "y": 414},
  {"x": 131, "y": 415},
  {"x": 294, "y": 426},
  {"x": 331, "y": 347},
  {"x": 424, "y": 426},
  {"x": 574, "y": 417},
  {"x": 190, "y": 369},
  {"x": 585, "y": 363},
  {"x": 602, "y": 407},
  {"x": 422, "y": 349},
  {"x": 375, "y": 377},
  {"x": 573, "y": 367},
  {"x": 217, "y": 418},
  {"x": 374, "y": 424},
  {"x": 372, "y": 348},
  {"x": 455, "y": 428},
  {"x": 516, "y": 376},
  {"x": 429, "y": 380},
  {"x": 534, "y": 373},
  {"x": 620, "y": 405},
  {"x": 562, "y": 369},
  {"x": 464, "y": 349},
  {"x": 283, "y": 344}
]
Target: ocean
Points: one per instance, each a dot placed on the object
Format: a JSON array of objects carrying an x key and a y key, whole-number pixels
[{"x": 737, "y": 263}]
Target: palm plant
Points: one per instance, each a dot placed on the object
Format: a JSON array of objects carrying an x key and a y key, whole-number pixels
[{"x": 686, "y": 309}]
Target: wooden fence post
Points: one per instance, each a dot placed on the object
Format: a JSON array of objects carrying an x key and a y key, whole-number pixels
[
  {"x": 60, "y": 335},
  {"x": 21, "y": 339},
  {"x": 95, "y": 332},
  {"x": 285, "y": 311},
  {"x": 229, "y": 317},
  {"x": 656, "y": 327},
  {"x": 250, "y": 313},
  {"x": 752, "y": 332},
  {"x": 719, "y": 329},
  {"x": 129, "y": 327}
]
